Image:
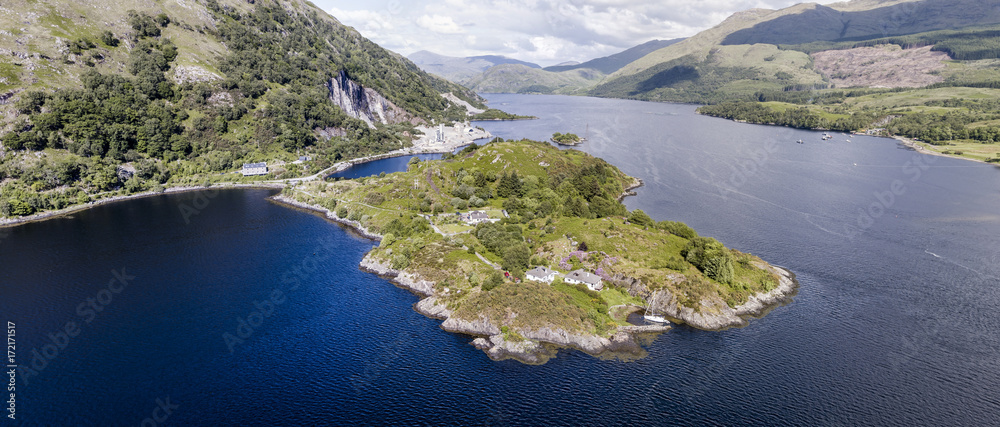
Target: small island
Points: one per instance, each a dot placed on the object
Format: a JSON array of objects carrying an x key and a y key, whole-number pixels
[
  {"x": 566, "y": 138},
  {"x": 530, "y": 249},
  {"x": 496, "y": 115}
]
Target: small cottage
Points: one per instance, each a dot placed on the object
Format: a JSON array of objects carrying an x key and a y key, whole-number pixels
[
  {"x": 476, "y": 217},
  {"x": 593, "y": 281},
  {"x": 541, "y": 274}
]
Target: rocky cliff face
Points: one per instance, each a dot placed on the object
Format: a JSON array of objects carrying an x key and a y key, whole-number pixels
[{"x": 365, "y": 104}]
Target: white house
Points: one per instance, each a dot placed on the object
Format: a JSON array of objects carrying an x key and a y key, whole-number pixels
[
  {"x": 592, "y": 280},
  {"x": 476, "y": 217},
  {"x": 251, "y": 169},
  {"x": 541, "y": 274}
]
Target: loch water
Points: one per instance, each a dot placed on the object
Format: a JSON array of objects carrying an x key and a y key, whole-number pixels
[{"x": 895, "y": 322}]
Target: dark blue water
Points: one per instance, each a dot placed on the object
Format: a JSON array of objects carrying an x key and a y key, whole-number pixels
[
  {"x": 390, "y": 165},
  {"x": 895, "y": 322}
]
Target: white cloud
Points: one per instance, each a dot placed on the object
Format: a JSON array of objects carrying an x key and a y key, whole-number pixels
[
  {"x": 439, "y": 24},
  {"x": 366, "y": 21},
  {"x": 542, "y": 31}
]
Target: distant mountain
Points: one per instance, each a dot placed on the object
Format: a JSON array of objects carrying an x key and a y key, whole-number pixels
[
  {"x": 501, "y": 60},
  {"x": 565, "y": 64},
  {"x": 460, "y": 70},
  {"x": 612, "y": 63},
  {"x": 867, "y": 19},
  {"x": 760, "y": 50},
  {"x": 517, "y": 78},
  {"x": 571, "y": 77}
]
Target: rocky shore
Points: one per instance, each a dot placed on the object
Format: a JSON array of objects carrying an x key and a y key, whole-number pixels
[
  {"x": 538, "y": 345},
  {"x": 354, "y": 225},
  {"x": 629, "y": 190},
  {"x": 716, "y": 315}
]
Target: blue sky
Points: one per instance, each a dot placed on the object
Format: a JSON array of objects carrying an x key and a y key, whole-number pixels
[{"x": 545, "y": 32}]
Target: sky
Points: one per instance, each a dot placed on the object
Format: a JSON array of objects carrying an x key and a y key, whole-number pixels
[{"x": 545, "y": 32}]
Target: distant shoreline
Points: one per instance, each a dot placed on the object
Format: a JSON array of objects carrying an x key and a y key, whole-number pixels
[
  {"x": 908, "y": 142},
  {"x": 919, "y": 147}
]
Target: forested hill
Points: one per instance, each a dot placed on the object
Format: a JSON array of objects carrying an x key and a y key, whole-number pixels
[{"x": 186, "y": 87}]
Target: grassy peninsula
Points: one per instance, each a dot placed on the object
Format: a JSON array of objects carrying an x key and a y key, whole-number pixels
[
  {"x": 545, "y": 207},
  {"x": 493, "y": 114}
]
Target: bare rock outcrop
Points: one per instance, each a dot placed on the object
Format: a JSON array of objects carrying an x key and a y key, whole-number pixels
[
  {"x": 430, "y": 307},
  {"x": 365, "y": 103}
]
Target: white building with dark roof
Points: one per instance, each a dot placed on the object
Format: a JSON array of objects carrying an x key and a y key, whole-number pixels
[
  {"x": 476, "y": 217},
  {"x": 593, "y": 281},
  {"x": 252, "y": 169},
  {"x": 540, "y": 274}
]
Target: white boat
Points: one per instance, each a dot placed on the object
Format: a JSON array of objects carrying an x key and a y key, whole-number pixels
[
  {"x": 652, "y": 316},
  {"x": 657, "y": 319}
]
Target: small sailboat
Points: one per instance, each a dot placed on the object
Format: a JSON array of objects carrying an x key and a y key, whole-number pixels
[{"x": 651, "y": 316}]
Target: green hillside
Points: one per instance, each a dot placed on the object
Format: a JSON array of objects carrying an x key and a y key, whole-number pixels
[
  {"x": 863, "y": 20},
  {"x": 514, "y": 78},
  {"x": 721, "y": 75},
  {"x": 612, "y": 63},
  {"x": 725, "y": 62},
  {"x": 131, "y": 95}
]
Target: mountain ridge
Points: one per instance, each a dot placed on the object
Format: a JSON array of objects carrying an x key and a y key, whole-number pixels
[
  {"x": 720, "y": 63},
  {"x": 458, "y": 69},
  {"x": 611, "y": 63}
]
